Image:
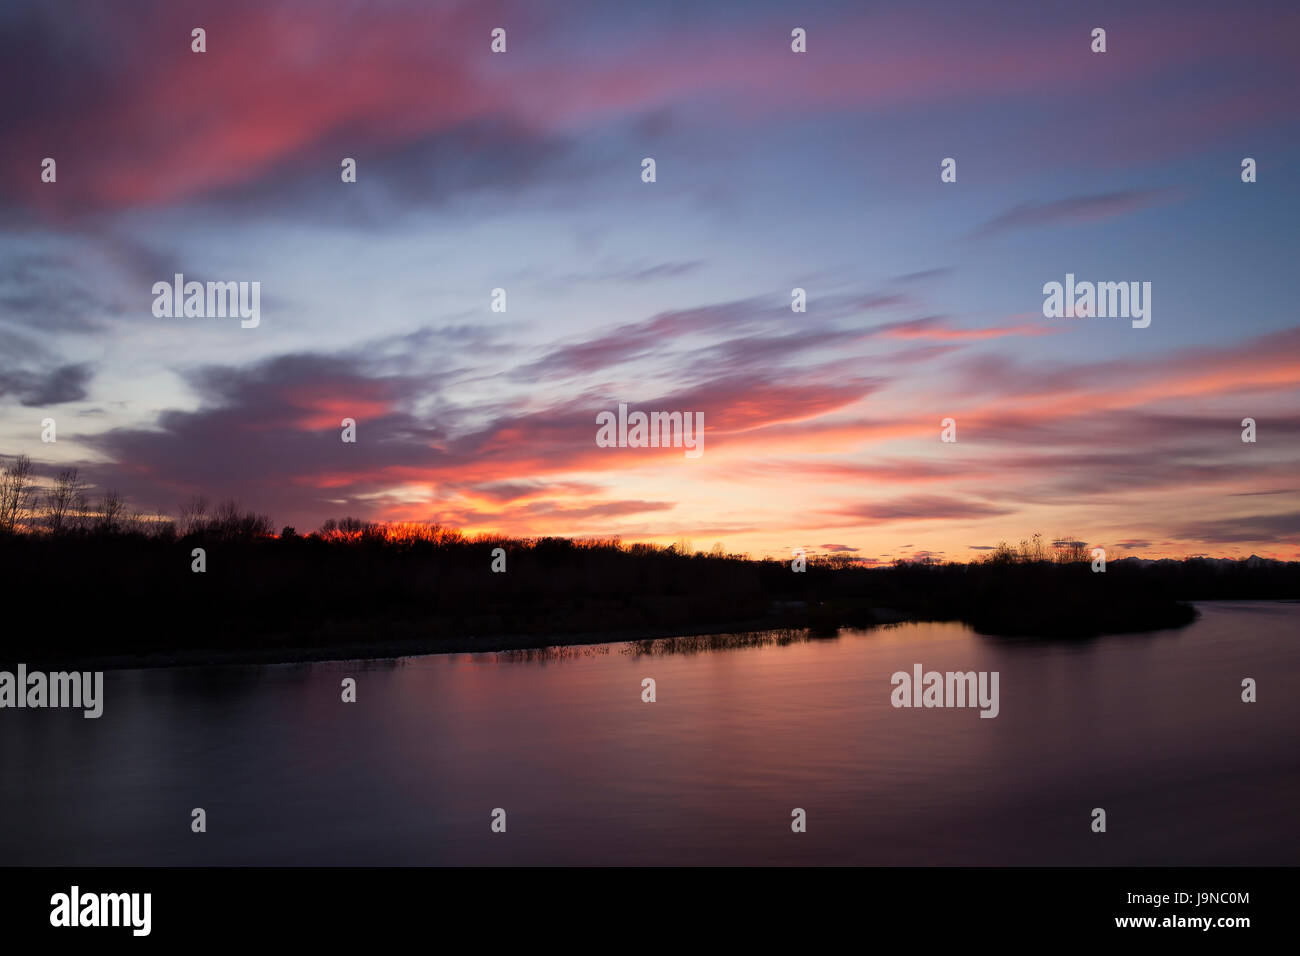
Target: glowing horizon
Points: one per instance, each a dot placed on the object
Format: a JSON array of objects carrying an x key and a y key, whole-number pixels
[{"x": 775, "y": 171}]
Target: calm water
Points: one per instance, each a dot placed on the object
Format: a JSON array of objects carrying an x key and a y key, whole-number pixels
[{"x": 1150, "y": 727}]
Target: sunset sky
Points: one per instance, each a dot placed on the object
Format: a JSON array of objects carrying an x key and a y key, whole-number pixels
[{"x": 775, "y": 170}]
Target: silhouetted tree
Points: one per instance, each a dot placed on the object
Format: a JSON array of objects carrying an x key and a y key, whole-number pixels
[
  {"x": 16, "y": 491},
  {"x": 64, "y": 502},
  {"x": 111, "y": 509},
  {"x": 193, "y": 515}
]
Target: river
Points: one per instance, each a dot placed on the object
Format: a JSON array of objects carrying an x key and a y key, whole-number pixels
[{"x": 1149, "y": 727}]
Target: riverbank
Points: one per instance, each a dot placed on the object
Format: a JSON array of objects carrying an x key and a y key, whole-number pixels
[
  {"x": 279, "y": 652},
  {"x": 127, "y": 601},
  {"x": 790, "y": 624}
]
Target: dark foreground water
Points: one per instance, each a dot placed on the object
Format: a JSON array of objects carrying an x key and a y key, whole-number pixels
[{"x": 1149, "y": 727}]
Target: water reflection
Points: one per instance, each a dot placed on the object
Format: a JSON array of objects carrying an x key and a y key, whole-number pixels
[{"x": 1151, "y": 727}]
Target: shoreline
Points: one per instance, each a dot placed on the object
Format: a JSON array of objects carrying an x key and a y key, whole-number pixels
[
  {"x": 394, "y": 648},
  {"x": 291, "y": 599},
  {"x": 286, "y": 653}
]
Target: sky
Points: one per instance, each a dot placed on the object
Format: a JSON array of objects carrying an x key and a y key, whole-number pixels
[{"x": 774, "y": 170}]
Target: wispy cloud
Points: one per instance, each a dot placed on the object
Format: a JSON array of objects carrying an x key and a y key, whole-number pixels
[{"x": 1072, "y": 210}]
